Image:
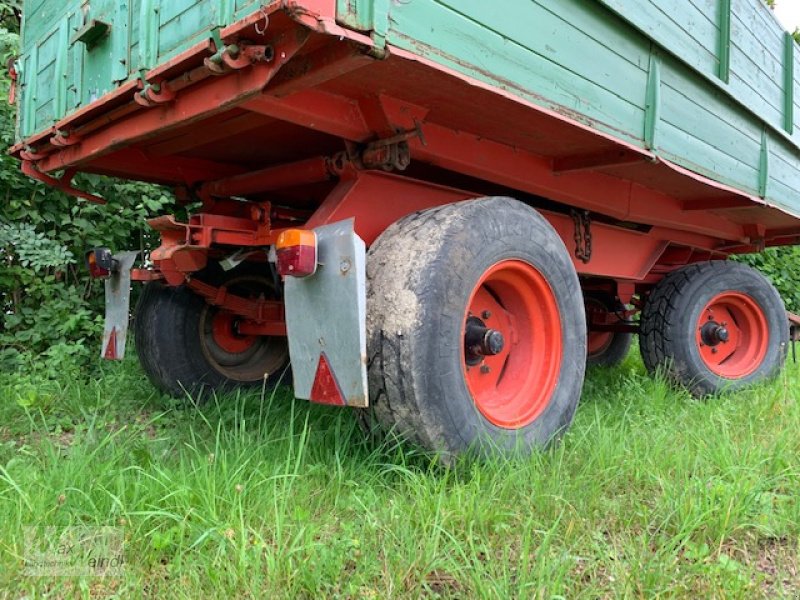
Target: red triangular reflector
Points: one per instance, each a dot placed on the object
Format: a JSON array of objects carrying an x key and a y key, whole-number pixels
[
  {"x": 326, "y": 389},
  {"x": 111, "y": 348}
]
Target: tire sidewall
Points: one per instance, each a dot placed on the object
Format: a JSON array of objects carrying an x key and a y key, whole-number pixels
[{"x": 686, "y": 353}]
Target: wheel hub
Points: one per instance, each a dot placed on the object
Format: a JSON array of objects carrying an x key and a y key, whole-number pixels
[
  {"x": 732, "y": 335},
  {"x": 481, "y": 341},
  {"x": 512, "y": 344},
  {"x": 714, "y": 334}
]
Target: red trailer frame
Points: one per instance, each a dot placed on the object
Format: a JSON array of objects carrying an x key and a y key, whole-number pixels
[{"x": 313, "y": 125}]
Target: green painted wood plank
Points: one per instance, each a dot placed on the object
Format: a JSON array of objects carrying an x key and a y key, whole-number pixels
[{"x": 763, "y": 168}]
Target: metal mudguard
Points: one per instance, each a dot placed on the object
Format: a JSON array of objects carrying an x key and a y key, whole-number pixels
[
  {"x": 118, "y": 307},
  {"x": 326, "y": 316}
]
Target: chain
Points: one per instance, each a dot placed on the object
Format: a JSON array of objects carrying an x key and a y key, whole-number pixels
[
  {"x": 583, "y": 235},
  {"x": 261, "y": 30}
]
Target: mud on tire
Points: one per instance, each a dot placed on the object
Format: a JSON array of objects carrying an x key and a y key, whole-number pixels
[{"x": 421, "y": 274}]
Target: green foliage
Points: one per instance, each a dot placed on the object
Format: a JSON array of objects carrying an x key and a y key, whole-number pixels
[
  {"x": 782, "y": 267},
  {"x": 772, "y": 4},
  {"x": 651, "y": 494},
  {"x": 50, "y": 307}
]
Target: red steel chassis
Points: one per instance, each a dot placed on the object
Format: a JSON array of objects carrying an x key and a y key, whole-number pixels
[{"x": 311, "y": 125}]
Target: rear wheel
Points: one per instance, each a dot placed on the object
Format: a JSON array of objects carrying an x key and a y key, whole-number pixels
[
  {"x": 476, "y": 328},
  {"x": 713, "y": 327},
  {"x": 605, "y": 348},
  {"x": 185, "y": 345}
]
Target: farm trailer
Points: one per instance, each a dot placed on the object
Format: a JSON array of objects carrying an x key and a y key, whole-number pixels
[{"x": 438, "y": 209}]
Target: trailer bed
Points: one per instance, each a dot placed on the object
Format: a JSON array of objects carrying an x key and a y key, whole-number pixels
[{"x": 620, "y": 102}]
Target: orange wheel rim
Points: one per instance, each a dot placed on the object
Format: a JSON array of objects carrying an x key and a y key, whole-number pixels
[
  {"x": 732, "y": 335},
  {"x": 514, "y": 304}
]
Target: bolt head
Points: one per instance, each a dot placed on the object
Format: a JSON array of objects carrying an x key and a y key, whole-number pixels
[
  {"x": 485, "y": 369},
  {"x": 495, "y": 342},
  {"x": 487, "y": 314}
]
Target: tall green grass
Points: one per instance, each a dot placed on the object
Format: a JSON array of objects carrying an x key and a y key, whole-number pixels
[{"x": 651, "y": 493}]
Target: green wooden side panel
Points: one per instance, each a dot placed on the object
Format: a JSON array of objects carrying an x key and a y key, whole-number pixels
[
  {"x": 709, "y": 84},
  {"x": 61, "y": 74},
  {"x": 356, "y": 14},
  {"x": 713, "y": 85}
]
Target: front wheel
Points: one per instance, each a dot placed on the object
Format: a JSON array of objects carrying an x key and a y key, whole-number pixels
[
  {"x": 714, "y": 327},
  {"x": 187, "y": 346},
  {"x": 476, "y": 328}
]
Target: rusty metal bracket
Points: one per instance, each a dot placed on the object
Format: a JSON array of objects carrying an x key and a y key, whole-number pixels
[
  {"x": 62, "y": 139},
  {"x": 154, "y": 94},
  {"x": 260, "y": 310},
  {"x": 235, "y": 57},
  {"x": 63, "y": 184},
  {"x": 392, "y": 153},
  {"x": 583, "y": 235}
]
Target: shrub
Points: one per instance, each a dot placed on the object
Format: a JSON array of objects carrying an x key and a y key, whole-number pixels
[{"x": 51, "y": 309}]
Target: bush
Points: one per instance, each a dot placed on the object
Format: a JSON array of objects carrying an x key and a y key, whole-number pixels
[
  {"x": 51, "y": 308},
  {"x": 782, "y": 267}
]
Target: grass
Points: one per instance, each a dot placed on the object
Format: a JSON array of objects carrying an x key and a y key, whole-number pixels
[{"x": 650, "y": 494}]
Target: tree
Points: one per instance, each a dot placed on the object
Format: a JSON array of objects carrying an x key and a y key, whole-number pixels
[{"x": 49, "y": 307}]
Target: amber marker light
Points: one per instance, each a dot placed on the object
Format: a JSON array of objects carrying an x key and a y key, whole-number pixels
[
  {"x": 296, "y": 250},
  {"x": 100, "y": 263}
]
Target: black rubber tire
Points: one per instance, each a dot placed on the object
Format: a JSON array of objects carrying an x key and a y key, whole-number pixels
[
  {"x": 420, "y": 274},
  {"x": 669, "y": 320},
  {"x": 620, "y": 345},
  {"x": 167, "y": 330}
]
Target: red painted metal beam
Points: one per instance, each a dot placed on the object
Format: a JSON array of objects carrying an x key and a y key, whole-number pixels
[
  {"x": 330, "y": 62},
  {"x": 63, "y": 184},
  {"x": 317, "y": 110},
  {"x": 593, "y": 191},
  {"x": 224, "y": 128},
  {"x": 724, "y": 203},
  {"x": 175, "y": 170},
  {"x": 376, "y": 200},
  {"x": 313, "y": 170},
  {"x": 213, "y": 96},
  {"x": 593, "y": 162},
  {"x": 504, "y": 165}
]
